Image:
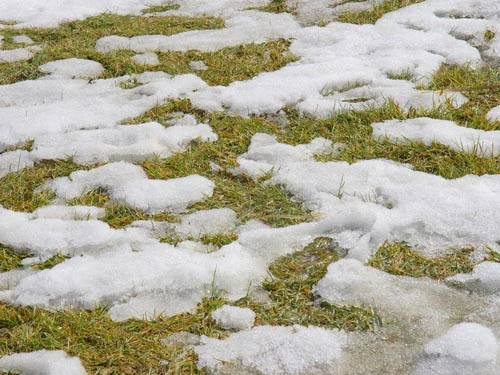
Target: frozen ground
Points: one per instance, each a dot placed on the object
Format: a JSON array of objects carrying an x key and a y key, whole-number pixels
[{"x": 434, "y": 328}]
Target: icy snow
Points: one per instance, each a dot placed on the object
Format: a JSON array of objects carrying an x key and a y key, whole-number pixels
[
  {"x": 42, "y": 362},
  {"x": 273, "y": 350},
  {"x": 232, "y": 317},
  {"x": 427, "y": 130}
]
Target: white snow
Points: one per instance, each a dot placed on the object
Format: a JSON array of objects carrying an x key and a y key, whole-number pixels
[
  {"x": 198, "y": 65},
  {"x": 148, "y": 58},
  {"x": 232, "y": 317},
  {"x": 72, "y": 113},
  {"x": 48, "y": 106},
  {"x": 222, "y": 220},
  {"x": 131, "y": 143},
  {"x": 52, "y": 230},
  {"x": 427, "y": 131},
  {"x": 494, "y": 114},
  {"x": 273, "y": 350},
  {"x": 72, "y": 68},
  {"x": 23, "y": 39},
  {"x": 13, "y": 55},
  {"x": 485, "y": 278},
  {"x": 467, "y": 348},
  {"x": 368, "y": 202},
  {"x": 127, "y": 183},
  {"x": 42, "y": 362}
]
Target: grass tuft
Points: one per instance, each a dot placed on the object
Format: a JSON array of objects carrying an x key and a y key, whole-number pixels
[
  {"x": 51, "y": 262},
  {"x": 399, "y": 258}
]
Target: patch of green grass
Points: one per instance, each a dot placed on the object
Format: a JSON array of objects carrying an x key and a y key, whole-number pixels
[
  {"x": 219, "y": 239},
  {"x": 354, "y": 131},
  {"x": 17, "y": 189},
  {"x": 493, "y": 256},
  {"x": 398, "y": 258},
  {"x": 106, "y": 347},
  {"x": 78, "y": 38},
  {"x": 248, "y": 198},
  {"x": 276, "y": 6},
  {"x": 402, "y": 75},
  {"x": 482, "y": 88},
  {"x": 10, "y": 259},
  {"x": 51, "y": 262},
  {"x": 160, "y": 8},
  {"x": 290, "y": 287},
  {"x": 118, "y": 215},
  {"x": 373, "y": 14}
]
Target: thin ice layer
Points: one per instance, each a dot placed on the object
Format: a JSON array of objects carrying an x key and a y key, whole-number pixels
[
  {"x": 273, "y": 350},
  {"x": 427, "y": 131},
  {"x": 128, "y": 184},
  {"x": 42, "y": 362},
  {"x": 410, "y": 303}
]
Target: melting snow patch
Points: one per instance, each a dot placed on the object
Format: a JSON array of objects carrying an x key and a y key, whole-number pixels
[
  {"x": 13, "y": 161},
  {"x": 49, "y": 231},
  {"x": 467, "y": 348},
  {"x": 42, "y": 362},
  {"x": 485, "y": 278},
  {"x": 133, "y": 143},
  {"x": 232, "y": 317},
  {"x": 222, "y": 220},
  {"x": 494, "y": 114},
  {"x": 127, "y": 183},
  {"x": 421, "y": 303},
  {"x": 427, "y": 130},
  {"x": 241, "y": 28},
  {"x": 13, "y": 55},
  {"x": 368, "y": 202},
  {"x": 148, "y": 58},
  {"x": 273, "y": 350},
  {"x": 72, "y": 68},
  {"x": 45, "y": 107}
]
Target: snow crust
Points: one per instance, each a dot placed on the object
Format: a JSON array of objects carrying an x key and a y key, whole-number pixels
[
  {"x": 273, "y": 350},
  {"x": 232, "y": 317},
  {"x": 42, "y": 362},
  {"x": 427, "y": 130}
]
